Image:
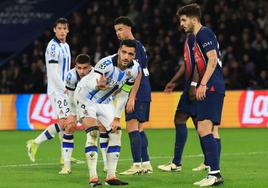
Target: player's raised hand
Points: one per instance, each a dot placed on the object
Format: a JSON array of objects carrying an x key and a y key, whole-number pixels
[
  {"x": 102, "y": 83},
  {"x": 169, "y": 87}
]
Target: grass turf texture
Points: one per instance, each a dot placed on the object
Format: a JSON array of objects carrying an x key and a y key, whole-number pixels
[{"x": 244, "y": 161}]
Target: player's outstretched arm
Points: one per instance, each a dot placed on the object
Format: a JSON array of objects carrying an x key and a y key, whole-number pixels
[{"x": 172, "y": 83}]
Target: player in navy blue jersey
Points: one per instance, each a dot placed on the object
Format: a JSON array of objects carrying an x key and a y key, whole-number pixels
[
  {"x": 187, "y": 104},
  {"x": 138, "y": 106},
  {"x": 211, "y": 88}
]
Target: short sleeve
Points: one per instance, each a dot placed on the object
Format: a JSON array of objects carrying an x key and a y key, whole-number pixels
[
  {"x": 206, "y": 39},
  {"x": 104, "y": 66},
  {"x": 53, "y": 52},
  {"x": 71, "y": 81}
]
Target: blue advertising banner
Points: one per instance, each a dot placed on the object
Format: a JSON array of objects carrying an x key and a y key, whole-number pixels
[{"x": 21, "y": 21}]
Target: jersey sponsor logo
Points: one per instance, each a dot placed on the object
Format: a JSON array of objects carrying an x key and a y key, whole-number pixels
[
  {"x": 253, "y": 109},
  {"x": 207, "y": 44}
]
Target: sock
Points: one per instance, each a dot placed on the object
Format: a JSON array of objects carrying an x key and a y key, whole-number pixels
[
  {"x": 67, "y": 149},
  {"x": 113, "y": 153},
  {"x": 211, "y": 153},
  {"x": 203, "y": 150},
  {"x": 181, "y": 137},
  {"x": 104, "y": 137},
  {"x": 135, "y": 143},
  {"x": 47, "y": 134},
  {"x": 91, "y": 151},
  {"x": 144, "y": 147},
  {"x": 218, "y": 141}
]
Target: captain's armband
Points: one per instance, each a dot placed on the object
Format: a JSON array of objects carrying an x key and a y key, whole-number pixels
[{"x": 127, "y": 87}]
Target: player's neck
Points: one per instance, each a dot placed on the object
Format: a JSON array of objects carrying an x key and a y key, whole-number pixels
[
  {"x": 197, "y": 28},
  {"x": 121, "y": 67}
]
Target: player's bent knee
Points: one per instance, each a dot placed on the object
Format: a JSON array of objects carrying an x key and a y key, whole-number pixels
[
  {"x": 115, "y": 138},
  {"x": 180, "y": 118},
  {"x": 70, "y": 128},
  {"x": 92, "y": 135}
]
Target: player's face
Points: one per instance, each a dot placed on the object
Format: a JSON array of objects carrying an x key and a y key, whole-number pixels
[
  {"x": 122, "y": 31},
  {"x": 61, "y": 31},
  {"x": 125, "y": 55},
  {"x": 186, "y": 24},
  {"x": 83, "y": 69}
]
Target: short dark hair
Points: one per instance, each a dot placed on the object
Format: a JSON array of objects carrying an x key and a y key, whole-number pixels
[
  {"x": 128, "y": 43},
  {"x": 82, "y": 59},
  {"x": 191, "y": 10},
  {"x": 61, "y": 21},
  {"x": 123, "y": 20}
]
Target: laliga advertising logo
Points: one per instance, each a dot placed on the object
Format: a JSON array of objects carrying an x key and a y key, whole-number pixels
[
  {"x": 253, "y": 109},
  {"x": 40, "y": 111}
]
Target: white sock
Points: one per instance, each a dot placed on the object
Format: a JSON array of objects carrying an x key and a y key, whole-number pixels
[
  {"x": 47, "y": 134},
  {"x": 92, "y": 152},
  {"x": 103, "y": 146},
  {"x": 67, "y": 149},
  {"x": 112, "y": 160}
]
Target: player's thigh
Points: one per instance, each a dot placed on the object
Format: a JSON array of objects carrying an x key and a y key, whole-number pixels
[
  {"x": 87, "y": 112},
  {"x": 210, "y": 108},
  {"x": 132, "y": 125},
  {"x": 105, "y": 114}
]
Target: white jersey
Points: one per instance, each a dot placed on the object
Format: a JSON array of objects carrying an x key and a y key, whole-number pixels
[
  {"x": 57, "y": 53},
  {"x": 116, "y": 79},
  {"x": 72, "y": 79}
]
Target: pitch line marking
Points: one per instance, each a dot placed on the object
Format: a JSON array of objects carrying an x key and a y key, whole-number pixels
[{"x": 129, "y": 159}]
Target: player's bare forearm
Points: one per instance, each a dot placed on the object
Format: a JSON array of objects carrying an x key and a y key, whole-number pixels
[
  {"x": 211, "y": 65},
  {"x": 179, "y": 74},
  {"x": 195, "y": 75},
  {"x": 135, "y": 87}
]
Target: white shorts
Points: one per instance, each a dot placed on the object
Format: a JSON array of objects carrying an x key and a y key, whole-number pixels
[
  {"x": 59, "y": 103},
  {"x": 101, "y": 112}
]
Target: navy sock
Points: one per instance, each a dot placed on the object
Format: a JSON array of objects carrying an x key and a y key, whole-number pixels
[
  {"x": 211, "y": 152},
  {"x": 203, "y": 150},
  {"x": 135, "y": 143},
  {"x": 181, "y": 137},
  {"x": 218, "y": 141},
  {"x": 144, "y": 147}
]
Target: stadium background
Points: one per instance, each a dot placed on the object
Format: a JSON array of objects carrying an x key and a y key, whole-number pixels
[{"x": 241, "y": 28}]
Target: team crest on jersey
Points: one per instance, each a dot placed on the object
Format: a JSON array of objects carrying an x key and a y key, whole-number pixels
[
  {"x": 52, "y": 54},
  {"x": 102, "y": 66}
]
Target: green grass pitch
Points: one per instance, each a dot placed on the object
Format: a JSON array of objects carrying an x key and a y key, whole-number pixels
[{"x": 244, "y": 161}]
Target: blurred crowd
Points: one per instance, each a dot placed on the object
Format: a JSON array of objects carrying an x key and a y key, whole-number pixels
[{"x": 241, "y": 27}]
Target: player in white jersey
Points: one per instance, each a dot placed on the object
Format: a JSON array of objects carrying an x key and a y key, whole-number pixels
[
  {"x": 58, "y": 62},
  {"x": 82, "y": 68},
  {"x": 95, "y": 94}
]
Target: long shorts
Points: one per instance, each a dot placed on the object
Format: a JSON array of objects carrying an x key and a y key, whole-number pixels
[
  {"x": 141, "y": 112},
  {"x": 60, "y": 106},
  {"x": 210, "y": 108}
]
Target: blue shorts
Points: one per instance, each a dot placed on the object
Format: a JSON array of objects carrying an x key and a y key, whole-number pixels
[
  {"x": 210, "y": 108},
  {"x": 185, "y": 106},
  {"x": 141, "y": 112}
]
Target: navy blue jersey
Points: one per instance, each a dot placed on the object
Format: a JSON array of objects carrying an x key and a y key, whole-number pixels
[
  {"x": 206, "y": 41},
  {"x": 189, "y": 60},
  {"x": 144, "y": 92}
]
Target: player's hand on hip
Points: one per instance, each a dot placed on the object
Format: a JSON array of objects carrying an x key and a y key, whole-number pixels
[
  {"x": 115, "y": 125},
  {"x": 130, "y": 105},
  {"x": 201, "y": 92},
  {"x": 169, "y": 87}
]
